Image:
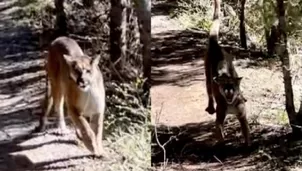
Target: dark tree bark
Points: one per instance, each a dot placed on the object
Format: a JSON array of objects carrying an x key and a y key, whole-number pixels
[
  {"x": 144, "y": 20},
  {"x": 118, "y": 26},
  {"x": 88, "y": 3},
  {"x": 242, "y": 25},
  {"x": 267, "y": 38},
  {"x": 272, "y": 36},
  {"x": 61, "y": 24},
  {"x": 294, "y": 118}
]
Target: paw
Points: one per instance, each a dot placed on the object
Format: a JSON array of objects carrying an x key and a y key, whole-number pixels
[
  {"x": 210, "y": 110},
  {"x": 79, "y": 135},
  {"x": 61, "y": 131},
  {"x": 80, "y": 143},
  {"x": 39, "y": 129},
  {"x": 102, "y": 154}
]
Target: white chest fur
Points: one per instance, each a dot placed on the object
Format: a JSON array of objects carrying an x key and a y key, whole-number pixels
[{"x": 91, "y": 102}]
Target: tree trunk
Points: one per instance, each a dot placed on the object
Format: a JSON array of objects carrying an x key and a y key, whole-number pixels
[
  {"x": 267, "y": 39},
  {"x": 144, "y": 18},
  {"x": 284, "y": 56},
  {"x": 61, "y": 24},
  {"x": 118, "y": 27},
  {"x": 88, "y": 3},
  {"x": 272, "y": 37},
  {"x": 242, "y": 25},
  {"x": 133, "y": 38}
]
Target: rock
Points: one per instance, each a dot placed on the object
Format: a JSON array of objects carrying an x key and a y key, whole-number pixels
[{"x": 47, "y": 150}]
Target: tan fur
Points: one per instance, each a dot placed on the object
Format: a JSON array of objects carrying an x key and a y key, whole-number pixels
[
  {"x": 223, "y": 83},
  {"x": 75, "y": 79}
]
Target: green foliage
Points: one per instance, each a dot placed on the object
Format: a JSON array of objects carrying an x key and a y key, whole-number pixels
[
  {"x": 260, "y": 15},
  {"x": 125, "y": 108},
  {"x": 134, "y": 146},
  {"x": 294, "y": 12},
  {"x": 194, "y": 14},
  {"x": 127, "y": 125},
  {"x": 281, "y": 117},
  {"x": 30, "y": 9}
]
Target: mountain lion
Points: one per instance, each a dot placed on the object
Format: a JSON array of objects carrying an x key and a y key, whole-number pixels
[
  {"x": 223, "y": 83},
  {"x": 76, "y": 79}
]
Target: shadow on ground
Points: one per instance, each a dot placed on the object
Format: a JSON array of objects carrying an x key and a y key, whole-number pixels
[
  {"x": 12, "y": 163},
  {"x": 163, "y": 7},
  {"x": 177, "y": 57},
  {"x": 272, "y": 148},
  {"x": 181, "y": 49},
  {"x": 177, "y": 47}
]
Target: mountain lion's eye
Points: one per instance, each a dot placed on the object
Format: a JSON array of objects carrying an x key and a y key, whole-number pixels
[
  {"x": 73, "y": 65},
  {"x": 78, "y": 71}
]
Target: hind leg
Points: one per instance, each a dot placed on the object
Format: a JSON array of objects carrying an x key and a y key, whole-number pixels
[
  {"x": 58, "y": 98},
  {"x": 43, "y": 118},
  {"x": 210, "y": 108}
]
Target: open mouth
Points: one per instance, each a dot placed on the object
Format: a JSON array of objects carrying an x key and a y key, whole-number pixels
[
  {"x": 229, "y": 99},
  {"x": 83, "y": 86}
]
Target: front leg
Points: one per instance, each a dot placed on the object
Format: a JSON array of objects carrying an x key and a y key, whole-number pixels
[
  {"x": 97, "y": 124},
  {"x": 221, "y": 110},
  {"x": 241, "y": 116},
  {"x": 209, "y": 85},
  {"x": 78, "y": 132},
  {"x": 87, "y": 134}
]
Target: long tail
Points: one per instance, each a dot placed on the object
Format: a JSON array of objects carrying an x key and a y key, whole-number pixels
[{"x": 214, "y": 31}]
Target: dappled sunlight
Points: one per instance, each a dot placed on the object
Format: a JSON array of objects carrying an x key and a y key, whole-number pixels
[{"x": 195, "y": 144}]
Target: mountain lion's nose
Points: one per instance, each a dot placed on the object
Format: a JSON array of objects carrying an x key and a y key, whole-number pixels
[{"x": 81, "y": 82}]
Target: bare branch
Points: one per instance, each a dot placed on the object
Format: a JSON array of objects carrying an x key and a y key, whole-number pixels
[
  {"x": 157, "y": 116},
  {"x": 218, "y": 160}
]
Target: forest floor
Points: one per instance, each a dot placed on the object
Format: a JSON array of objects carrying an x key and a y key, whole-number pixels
[
  {"x": 22, "y": 91},
  {"x": 179, "y": 100}
]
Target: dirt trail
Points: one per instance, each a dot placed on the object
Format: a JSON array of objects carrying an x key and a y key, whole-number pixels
[
  {"x": 178, "y": 89},
  {"x": 20, "y": 80}
]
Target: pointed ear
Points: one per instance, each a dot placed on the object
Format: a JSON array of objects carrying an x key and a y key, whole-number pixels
[
  {"x": 239, "y": 79},
  {"x": 95, "y": 61},
  {"x": 68, "y": 59}
]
